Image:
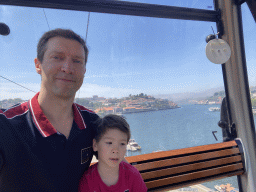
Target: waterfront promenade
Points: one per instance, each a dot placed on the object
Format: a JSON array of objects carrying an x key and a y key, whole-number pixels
[{"x": 194, "y": 188}]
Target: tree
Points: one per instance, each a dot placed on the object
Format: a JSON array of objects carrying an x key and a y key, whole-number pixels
[
  {"x": 141, "y": 95},
  {"x": 253, "y": 102}
]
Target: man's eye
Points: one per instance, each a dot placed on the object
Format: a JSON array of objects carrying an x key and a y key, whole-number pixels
[
  {"x": 77, "y": 61},
  {"x": 56, "y": 57},
  {"x": 123, "y": 143},
  {"x": 109, "y": 143}
]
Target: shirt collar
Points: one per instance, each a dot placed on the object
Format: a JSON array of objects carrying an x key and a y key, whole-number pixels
[{"x": 43, "y": 124}]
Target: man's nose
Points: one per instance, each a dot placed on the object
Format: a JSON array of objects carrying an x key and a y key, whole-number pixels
[{"x": 67, "y": 66}]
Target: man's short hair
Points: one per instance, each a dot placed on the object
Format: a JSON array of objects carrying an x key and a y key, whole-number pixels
[
  {"x": 65, "y": 33},
  {"x": 111, "y": 121}
]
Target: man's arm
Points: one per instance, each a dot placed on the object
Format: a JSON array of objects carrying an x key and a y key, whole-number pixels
[
  {"x": 1, "y": 162},
  {"x": 1, "y": 147}
]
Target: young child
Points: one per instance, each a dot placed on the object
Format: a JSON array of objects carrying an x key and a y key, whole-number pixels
[{"x": 111, "y": 173}]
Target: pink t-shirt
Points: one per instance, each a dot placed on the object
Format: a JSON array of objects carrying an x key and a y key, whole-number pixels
[{"x": 129, "y": 180}]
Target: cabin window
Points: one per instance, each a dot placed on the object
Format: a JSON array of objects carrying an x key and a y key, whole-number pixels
[
  {"x": 153, "y": 71},
  {"x": 249, "y": 42}
]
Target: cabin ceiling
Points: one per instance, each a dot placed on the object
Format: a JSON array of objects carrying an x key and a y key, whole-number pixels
[
  {"x": 129, "y": 8},
  {"x": 121, "y": 7},
  {"x": 252, "y": 6}
]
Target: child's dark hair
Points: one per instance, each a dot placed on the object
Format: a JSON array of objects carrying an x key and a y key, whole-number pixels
[{"x": 111, "y": 121}]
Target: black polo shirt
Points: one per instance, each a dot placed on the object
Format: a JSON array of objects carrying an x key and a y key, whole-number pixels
[{"x": 35, "y": 157}]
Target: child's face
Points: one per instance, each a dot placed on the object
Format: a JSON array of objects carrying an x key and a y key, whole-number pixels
[{"x": 111, "y": 147}]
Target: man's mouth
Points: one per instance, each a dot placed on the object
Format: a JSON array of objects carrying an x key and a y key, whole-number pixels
[{"x": 66, "y": 80}]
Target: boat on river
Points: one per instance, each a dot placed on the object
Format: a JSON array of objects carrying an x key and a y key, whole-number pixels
[
  {"x": 214, "y": 109},
  {"x": 130, "y": 148},
  {"x": 133, "y": 145}
]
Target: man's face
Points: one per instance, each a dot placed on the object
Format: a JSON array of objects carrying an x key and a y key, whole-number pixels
[{"x": 63, "y": 67}]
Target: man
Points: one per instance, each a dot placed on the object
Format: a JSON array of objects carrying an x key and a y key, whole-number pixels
[{"x": 46, "y": 143}]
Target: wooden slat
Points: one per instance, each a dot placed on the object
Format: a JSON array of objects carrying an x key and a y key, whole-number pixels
[
  {"x": 195, "y": 175},
  {"x": 190, "y": 167},
  {"x": 198, "y": 181},
  {"x": 186, "y": 159},
  {"x": 163, "y": 154}
]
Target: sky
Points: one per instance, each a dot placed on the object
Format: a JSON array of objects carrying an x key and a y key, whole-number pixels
[{"x": 127, "y": 54}]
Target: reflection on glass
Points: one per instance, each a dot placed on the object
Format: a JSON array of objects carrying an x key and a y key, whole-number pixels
[{"x": 249, "y": 41}]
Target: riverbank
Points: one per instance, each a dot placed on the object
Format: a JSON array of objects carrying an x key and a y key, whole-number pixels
[{"x": 147, "y": 110}]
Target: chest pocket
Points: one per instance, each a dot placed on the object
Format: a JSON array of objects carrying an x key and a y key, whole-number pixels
[{"x": 86, "y": 154}]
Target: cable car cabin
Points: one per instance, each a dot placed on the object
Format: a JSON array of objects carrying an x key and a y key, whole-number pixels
[{"x": 153, "y": 59}]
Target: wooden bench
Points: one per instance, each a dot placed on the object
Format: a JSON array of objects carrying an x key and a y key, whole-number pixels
[{"x": 184, "y": 167}]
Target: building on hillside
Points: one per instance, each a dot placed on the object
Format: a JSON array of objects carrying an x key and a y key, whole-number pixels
[
  {"x": 129, "y": 110},
  {"x": 118, "y": 110},
  {"x": 108, "y": 110}
]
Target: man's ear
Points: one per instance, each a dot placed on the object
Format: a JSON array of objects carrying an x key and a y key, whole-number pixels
[
  {"x": 84, "y": 70},
  {"x": 95, "y": 145},
  {"x": 38, "y": 66}
]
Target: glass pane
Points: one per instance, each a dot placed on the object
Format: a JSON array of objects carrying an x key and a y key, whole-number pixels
[
  {"x": 161, "y": 58},
  {"x": 208, "y": 4},
  {"x": 152, "y": 71},
  {"x": 249, "y": 41}
]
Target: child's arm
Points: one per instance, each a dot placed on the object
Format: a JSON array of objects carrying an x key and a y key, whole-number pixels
[{"x": 138, "y": 183}]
